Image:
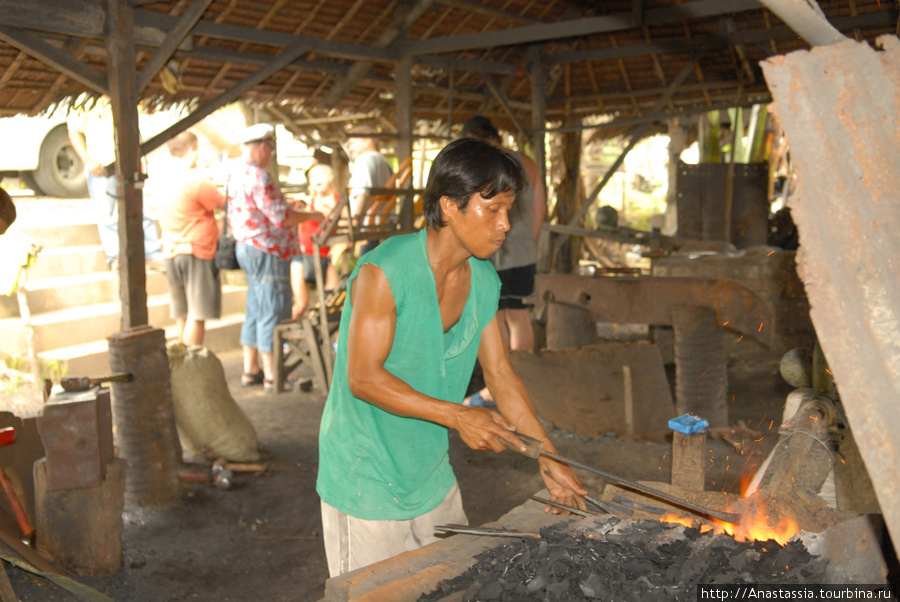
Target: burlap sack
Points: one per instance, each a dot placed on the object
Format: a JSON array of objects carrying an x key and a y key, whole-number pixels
[{"x": 206, "y": 415}]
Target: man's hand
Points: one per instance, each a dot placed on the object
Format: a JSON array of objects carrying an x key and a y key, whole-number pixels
[
  {"x": 95, "y": 168},
  {"x": 482, "y": 429},
  {"x": 563, "y": 484}
]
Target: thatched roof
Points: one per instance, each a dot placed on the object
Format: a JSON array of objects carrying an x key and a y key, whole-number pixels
[{"x": 334, "y": 59}]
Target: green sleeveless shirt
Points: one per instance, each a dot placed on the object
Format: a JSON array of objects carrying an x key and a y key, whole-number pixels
[{"x": 375, "y": 465}]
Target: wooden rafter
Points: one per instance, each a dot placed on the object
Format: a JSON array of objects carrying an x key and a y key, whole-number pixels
[{"x": 75, "y": 48}]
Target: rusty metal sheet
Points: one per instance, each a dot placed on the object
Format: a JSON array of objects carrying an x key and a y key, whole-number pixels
[
  {"x": 587, "y": 391},
  {"x": 839, "y": 108},
  {"x": 649, "y": 300}
]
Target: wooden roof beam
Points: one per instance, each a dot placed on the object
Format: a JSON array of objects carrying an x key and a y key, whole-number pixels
[
  {"x": 56, "y": 58},
  {"x": 402, "y": 22},
  {"x": 807, "y": 19},
  {"x": 75, "y": 47},
  {"x": 576, "y": 27},
  {"x": 171, "y": 43},
  {"x": 288, "y": 56},
  {"x": 478, "y": 8}
]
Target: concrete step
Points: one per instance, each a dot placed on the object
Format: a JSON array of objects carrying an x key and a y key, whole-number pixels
[
  {"x": 65, "y": 261},
  {"x": 77, "y": 325},
  {"x": 92, "y": 358},
  {"x": 54, "y": 294},
  {"x": 73, "y": 235}
]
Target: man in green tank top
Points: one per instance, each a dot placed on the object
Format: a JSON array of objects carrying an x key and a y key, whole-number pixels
[{"x": 421, "y": 308}]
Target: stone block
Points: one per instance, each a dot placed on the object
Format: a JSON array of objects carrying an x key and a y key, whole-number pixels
[
  {"x": 81, "y": 529},
  {"x": 76, "y": 430}
]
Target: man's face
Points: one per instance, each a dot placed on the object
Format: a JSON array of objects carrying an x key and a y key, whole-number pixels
[
  {"x": 358, "y": 146},
  {"x": 262, "y": 152},
  {"x": 482, "y": 227},
  {"x": 3, "y": 226}
]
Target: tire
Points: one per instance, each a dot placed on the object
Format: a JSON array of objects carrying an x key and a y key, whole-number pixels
[
  {"x": 28, "y": 178},
  {"x": 60, "y": 171}
]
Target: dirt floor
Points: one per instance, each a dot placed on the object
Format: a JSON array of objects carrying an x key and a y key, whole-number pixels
[{"x": 260, "y": 539}]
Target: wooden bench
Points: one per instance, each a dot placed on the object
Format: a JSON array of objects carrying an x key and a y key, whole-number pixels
[{"x": 305, "y": 345}]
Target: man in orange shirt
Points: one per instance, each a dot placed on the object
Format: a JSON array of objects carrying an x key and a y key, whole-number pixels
[{"x": 190, "y": 236}]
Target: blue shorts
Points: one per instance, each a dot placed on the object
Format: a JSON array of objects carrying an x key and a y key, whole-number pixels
[
  {"x": 268, "y": 296},
  {"x": 309, "y": 266}
]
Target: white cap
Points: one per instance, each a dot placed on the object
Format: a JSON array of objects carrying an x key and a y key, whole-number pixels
[{"x": 255, "y": 133}]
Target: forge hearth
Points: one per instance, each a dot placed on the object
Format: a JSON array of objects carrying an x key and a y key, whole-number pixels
[
  {"x": 612, "y": 559},
  {"x": 656, "y": 560}
]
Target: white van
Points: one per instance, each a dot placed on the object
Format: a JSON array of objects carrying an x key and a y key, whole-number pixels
[{"x": 42, "y": 155}]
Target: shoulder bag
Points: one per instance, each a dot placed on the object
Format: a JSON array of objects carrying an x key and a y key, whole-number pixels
[{"x": 226, "y": 259}]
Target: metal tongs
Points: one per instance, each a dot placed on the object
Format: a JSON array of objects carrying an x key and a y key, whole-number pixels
[
  {"x": 534, "y": 448},
  {"x": 489, "y": 531}
]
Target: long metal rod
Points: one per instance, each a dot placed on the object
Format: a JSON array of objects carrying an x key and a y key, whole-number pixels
[{"x": 728, "y": 517}]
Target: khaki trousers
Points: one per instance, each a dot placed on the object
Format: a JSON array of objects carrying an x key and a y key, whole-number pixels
[{"x": 352, "y": 543}]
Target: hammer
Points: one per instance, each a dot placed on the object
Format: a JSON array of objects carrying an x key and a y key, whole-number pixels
[{"x": 83, "y": 383}]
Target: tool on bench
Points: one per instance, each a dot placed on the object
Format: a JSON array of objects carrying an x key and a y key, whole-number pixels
[
  {"x": 8, "y": 437},
  {"x": 569, "y": 509},
  {"x": 489, "y": 531},
  {"x": 83, "y": 383},
  {"x": 534, "y": 448}
]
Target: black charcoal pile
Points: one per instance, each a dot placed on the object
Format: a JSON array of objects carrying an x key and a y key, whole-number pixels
[{"x": 626, "y": 560}]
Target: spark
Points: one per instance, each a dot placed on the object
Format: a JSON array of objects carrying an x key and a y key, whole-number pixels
[
  {"x": 739, "y": 340},
  {"x": 760, "y": 326},
  {"x": 764, "y": 403},
  {"x": 771, "y": 424},
  {"x": 758, "y": 440},
  {"x": 770, "y": 252},
  {"x": 829, "y": 372},
  {"x": 726, "y": 322},
  {"x": 814, "y": 418},
  {"x": 701, "y": 375},
  {"x": 842, "y": 461}
]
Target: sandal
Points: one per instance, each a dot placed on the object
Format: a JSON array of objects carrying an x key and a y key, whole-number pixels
[
  {"x": 249, "y": 380},
  {"x": 475, "y": 400},
  {"x": 268, "y": 385}
]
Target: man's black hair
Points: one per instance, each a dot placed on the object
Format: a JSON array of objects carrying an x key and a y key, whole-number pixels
[
  {"x": 467, "y": 166},
  {"x": 7, "y": 208}
]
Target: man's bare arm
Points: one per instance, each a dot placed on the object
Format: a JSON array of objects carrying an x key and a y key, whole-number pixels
[
  {"x": 79, "y": 143},
  {"x": 539, "y": 208},
  {"x": 514, "y": 403},
  {"x": 369, "y": 341}
]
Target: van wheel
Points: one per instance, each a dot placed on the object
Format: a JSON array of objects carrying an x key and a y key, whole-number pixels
[
  {"x": 28, "y": 178},
  {"x": 60, "y": 170}
]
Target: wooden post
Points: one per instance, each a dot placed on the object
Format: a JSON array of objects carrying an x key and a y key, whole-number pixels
[
  {"x": 403, "y": 77},
  {"x": 121, "y": 63},
  {"x": 628, "y": 396},
  {"x": 688, "y": 452}
]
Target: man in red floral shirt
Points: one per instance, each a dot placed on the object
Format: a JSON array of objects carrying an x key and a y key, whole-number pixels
[{"x": 265, "y": 228}]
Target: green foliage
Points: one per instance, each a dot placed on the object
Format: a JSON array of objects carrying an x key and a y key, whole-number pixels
[{"x": 55, "y": 370}]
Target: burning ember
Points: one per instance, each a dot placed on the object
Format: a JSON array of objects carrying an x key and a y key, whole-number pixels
[
  {"x": 751, "y": 528},
  {"x": 617, "y": 559}
]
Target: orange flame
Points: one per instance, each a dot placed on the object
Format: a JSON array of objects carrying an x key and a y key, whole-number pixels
[{"x": 751, "y": 528}]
